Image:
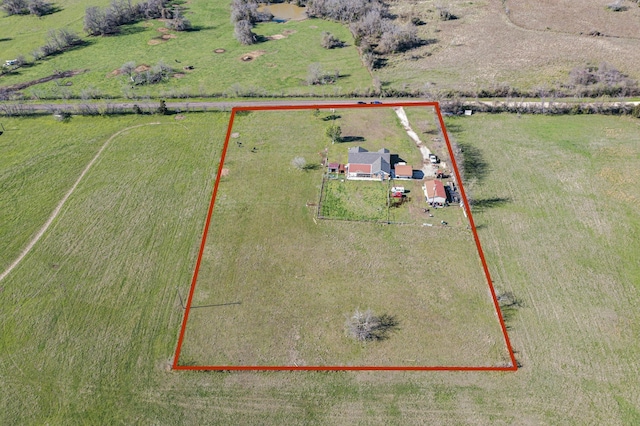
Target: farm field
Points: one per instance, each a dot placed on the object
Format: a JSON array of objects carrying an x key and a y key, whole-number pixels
[
  {"x": 89, "y": 342},
  {"x": 275, "y": 286},
  {"x": 280, "y": 66},
  {"x": 514, "y": 43},
  {"x": 531, "y": 48}
]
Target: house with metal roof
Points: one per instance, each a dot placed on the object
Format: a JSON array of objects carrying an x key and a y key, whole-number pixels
[
  {"x": 434, "y": 192},
  {"x": 367, "y": 165}
]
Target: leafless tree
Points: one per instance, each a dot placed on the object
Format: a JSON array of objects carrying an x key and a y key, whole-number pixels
[
  {"x": 365, "y": 326},
  {"x": 329, "y": 41},
  {"x": 243, "y": 32},
  {"x": 299, "y": 163}
]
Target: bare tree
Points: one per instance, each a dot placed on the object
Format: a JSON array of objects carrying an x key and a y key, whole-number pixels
[
  {"x": 243, "y": 32},
  {"x": 365, "y": 326},
  {"x": 299, "y": 163},
  {"x": 329, "y": 41},
  {"x": 178, "y": 21},
  {"x": 15, "y": 7}
]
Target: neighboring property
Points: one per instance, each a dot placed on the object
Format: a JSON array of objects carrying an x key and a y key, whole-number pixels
[
  {"x": 365, "y": 165},
  {"x": 435, "y": 192},
  {"x": 403, "y": 171}
]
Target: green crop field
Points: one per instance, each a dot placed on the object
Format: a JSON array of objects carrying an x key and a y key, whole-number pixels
[{"x": 90, "y": 317}]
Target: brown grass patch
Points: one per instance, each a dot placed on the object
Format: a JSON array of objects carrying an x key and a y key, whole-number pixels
[
  {"x": 142, "y": 68},
  {"x": 179, "y": 75},
  {"x": 276, "y": 37},
  {"x": 163, "y": 30},
  {"x": 114, "y": 73},
  {"x": 154, "y": 42},
  {"x": 289, "y": 32},
  {"x": 219, "y": 51},
  {"x": 179, "y": 117},
  {"x": 235, "y": 135},
  {"x": 248, "y": 57},
  {"x": 225, "y": 172},
  {"x": 168, "y": 36}
]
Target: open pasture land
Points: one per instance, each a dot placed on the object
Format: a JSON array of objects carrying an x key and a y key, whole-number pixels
[
  {"x": 89, "y": 342},
  {"x": 280, "y": 65},
  {"x": 275, "y": 285},
  {"x": 521, "y": 44}
]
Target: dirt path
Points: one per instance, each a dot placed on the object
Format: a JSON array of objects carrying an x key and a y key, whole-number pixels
[
  {"x": 56, "y": 211},
  {"x": 426, "y": 163}
]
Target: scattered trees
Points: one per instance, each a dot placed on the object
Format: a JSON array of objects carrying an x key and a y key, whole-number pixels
[
  {"x": 26, "y": 7},
  {"x": 244, "y": 14},
  {"x": 366, "y": 326},
  {"x": 107, "y": 21},
  {"x": 57, "y": 41}
]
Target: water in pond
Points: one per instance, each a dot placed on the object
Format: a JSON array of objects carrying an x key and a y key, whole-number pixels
[{"x": 283, "y": 12}]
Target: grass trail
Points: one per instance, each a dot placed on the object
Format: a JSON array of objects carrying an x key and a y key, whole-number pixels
[{"x": 56, "y": 211}]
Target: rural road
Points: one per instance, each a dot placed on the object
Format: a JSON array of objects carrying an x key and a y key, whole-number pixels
[{"x": 227, "y": 105}]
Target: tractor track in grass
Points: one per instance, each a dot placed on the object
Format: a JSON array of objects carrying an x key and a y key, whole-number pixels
[{"x": 56, "y": 211}]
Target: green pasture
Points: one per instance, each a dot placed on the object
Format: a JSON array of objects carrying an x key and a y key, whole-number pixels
[
  {"x": 89, "y": 340},
  {"x": 276, "y": 286},
  {"x": 280, "y": 66}
]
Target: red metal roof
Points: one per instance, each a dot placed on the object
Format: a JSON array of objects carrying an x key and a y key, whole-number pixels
[
  {"x": 360, "y": 168},
  {"x": 404, "y": 170},
  {"x": 430, "y": 185}
]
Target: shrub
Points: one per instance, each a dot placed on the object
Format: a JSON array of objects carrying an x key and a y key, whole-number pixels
[
  {"x": 299, "y": 163},
  {"x": 365, "y": 326},
  {"x": 25, "y": 7},
  {"x": 316, "y": 75},
  {"x": 329, "y": 41},
  {"x": 178, "y": 22}
]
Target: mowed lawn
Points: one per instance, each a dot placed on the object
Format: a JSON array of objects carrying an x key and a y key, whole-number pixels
[
  {"x": 280, "y": 65},
  {"x": 89, "y": 342},
  {"x": 276, "y": 286}
]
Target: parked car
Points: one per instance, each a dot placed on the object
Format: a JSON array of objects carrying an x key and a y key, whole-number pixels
[
  {"x": 434, "y": 159},
  {"x": 361, "y": 102},
  {"x": 376, "y": 102}
]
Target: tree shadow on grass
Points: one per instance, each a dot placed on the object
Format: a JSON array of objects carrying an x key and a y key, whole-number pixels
[
  {"x": 387, "y": 324},
  {"x": 351, "y": 139},
  {"x": 486, "y": 203},
  {"x": 473, "y": 162},
  {"x": 331, "y": 117}
]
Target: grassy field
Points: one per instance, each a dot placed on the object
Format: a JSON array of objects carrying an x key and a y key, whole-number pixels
[
  {"x": 89, "y": 342},
  {"x": 280, "y": 66},
  {"x": 258, "y": 264},
  {"x": 533, "y": 46}
]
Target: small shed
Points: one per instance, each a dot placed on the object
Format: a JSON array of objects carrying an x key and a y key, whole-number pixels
[{"x": 334, "y": 167}]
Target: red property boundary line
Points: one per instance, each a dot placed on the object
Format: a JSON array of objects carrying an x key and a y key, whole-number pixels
[{"x": 436, "y": 105}]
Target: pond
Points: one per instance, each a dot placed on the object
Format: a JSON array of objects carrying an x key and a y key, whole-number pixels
[{"x": 283, "y": 12}]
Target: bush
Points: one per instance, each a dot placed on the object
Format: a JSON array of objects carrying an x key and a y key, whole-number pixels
[
  {"x": 329, "y": 41},
  {"x": 299, "y": 163},
  {"x": 57, "y": 41},
  {"x": 121, "y": 12},
  {"x": 365, "y": 326},
  {"x": 178, "y": 21},
  {"x": 316, "y": 75},
  {"x": 24, "y": 7}
]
